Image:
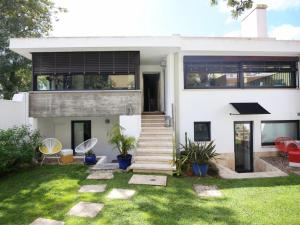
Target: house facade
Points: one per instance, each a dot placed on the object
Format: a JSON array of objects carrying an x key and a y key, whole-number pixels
[{"x": 240, "y": 92}]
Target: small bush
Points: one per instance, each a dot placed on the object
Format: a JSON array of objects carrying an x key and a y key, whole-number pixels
[{"x": 17, "y": 147}]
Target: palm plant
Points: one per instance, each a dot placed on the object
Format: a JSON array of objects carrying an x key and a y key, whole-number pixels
[
  {"x": 122, "y": 142},
  {"x": 203, "y": 152}
]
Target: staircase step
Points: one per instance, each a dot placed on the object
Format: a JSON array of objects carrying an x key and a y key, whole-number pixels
[
  {"x": 155, "y": 129},
  {"x": 153, "y": 117},
  {"x": 161, "y": 144},
  {"x": 159, "y": 137},
  {"x": 157, "y": 120},
  {"x": 152, "y": 167},
  {"x": 153, "y": 159},
  {"x": 153, "y": 125},
  {"x": 154, "y": 151}
]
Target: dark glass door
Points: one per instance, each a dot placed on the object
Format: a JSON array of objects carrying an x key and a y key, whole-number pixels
[
  {"x": 81, "y": 131},
  {"x": 243, "y": 147},
  {"x": 151, "y": 92}
]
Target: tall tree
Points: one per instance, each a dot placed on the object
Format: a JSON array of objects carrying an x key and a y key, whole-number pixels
[
  {"x": 238, "y": 6},
  {"x": 21, "y": 19}
]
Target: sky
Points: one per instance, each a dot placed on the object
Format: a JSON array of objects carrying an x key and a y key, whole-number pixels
[{"x": 167, "y": 17}]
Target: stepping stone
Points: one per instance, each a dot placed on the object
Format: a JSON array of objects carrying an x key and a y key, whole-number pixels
[
  {"x": 99, "y": 175},
  {"x": 207, "y": 191},
  {"x": 86, "y": 209},
  {"x": 93, "y": 188},
  {"x": 120, "y": 193},
  {"x": 148, "y": 180},
  {"x": 106, "y": 166},
  {"x": 42, "y": 221}
]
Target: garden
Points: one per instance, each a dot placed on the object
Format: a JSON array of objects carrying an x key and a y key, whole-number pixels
[{"x": 29, "y": 191}]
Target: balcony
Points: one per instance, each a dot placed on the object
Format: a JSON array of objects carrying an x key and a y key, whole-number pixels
[{"x": 84, "y": 103}]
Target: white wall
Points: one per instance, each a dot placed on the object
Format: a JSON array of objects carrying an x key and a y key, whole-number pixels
[
  {"x": 131, "y": 124},
  {"x": 60, "y": 128},
  {"x": 169, "y": 79},
  {"x": 14, "y": 112},
  {"x": 214, "y": 105}
]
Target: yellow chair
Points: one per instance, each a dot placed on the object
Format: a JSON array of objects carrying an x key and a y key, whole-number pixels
[{"x": 50, "y": 146}]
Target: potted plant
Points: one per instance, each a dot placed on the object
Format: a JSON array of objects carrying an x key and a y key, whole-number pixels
[
  {"x": 201, "y": 154},
  {"x": 90, "y": 158},
  {"x": 124, "y": 144}
]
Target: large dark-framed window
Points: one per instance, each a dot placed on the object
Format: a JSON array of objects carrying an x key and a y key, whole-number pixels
[
  {"x": 272, "y": 129},
  {"x": 213, "y": 72},
  {"x": 202, "y": 131},
  {"x": 56, "y": 71}
]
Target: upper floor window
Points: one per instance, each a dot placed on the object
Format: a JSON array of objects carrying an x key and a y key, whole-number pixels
[
  {"x": 239, "y": 72},
  {"x": 85, "y": 71}
]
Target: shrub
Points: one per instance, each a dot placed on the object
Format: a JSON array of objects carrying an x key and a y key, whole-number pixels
[{"x": 17, "y": 147}]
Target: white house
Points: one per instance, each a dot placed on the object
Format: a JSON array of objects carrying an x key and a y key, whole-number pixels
[{"x": 241, "y": 92}]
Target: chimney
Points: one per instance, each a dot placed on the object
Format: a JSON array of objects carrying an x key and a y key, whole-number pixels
[{"x": 255, "y": 23}]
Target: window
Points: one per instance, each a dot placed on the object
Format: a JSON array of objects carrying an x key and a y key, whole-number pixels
[
  {"x": 270, "y": 130},
  {"x": 208, "y": 75},
  {"x": 202, "y": 131},
  {"x": 239, "y": 72},
  {"x": 86, "y": 70},
  {"x": 50, "y": 82}
]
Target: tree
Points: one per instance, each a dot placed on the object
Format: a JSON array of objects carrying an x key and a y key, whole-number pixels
[
  {"x": 21, "y": 19},
  {"x": 238, "y": 6}
]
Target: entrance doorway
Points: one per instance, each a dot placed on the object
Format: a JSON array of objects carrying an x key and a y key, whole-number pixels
[
  {"x": 81, "y": 131},
  {"x": 243, "y": 146},
  {"x": 151, "y": 92}
]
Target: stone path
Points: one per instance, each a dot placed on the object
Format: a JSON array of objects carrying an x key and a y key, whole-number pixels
[
  {"x": 148, "y": 180},
  {"x": 120, "y": 194},
  {"x": 97, "y": 188},
  {"x": 43, "y": 221},
  {"x": 99, "y": 175},
  {"x": 207, "y": 191},
  {"x": 86, "y": 209}
]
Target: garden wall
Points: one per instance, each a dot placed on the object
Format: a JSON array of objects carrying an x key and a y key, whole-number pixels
[{"x": 14, "y": 112}]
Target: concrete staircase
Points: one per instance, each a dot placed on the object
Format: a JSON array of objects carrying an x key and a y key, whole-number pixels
[{"x": 154, "y": 153}]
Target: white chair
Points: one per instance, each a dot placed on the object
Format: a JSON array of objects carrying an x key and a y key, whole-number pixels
[{"x": 85, "y": 146}]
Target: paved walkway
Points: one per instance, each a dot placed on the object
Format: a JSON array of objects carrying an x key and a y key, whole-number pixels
[{"x": 92, "y": 209}]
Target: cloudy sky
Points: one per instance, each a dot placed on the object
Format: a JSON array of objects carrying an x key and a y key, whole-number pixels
[{"x": 167, "y": 17}]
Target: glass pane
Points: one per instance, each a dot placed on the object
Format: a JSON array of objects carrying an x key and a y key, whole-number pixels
[
  {"x": 271, "y": 131},
  {"x": 268, "y": 79},
  {"x": 50, "y": 82},
  {"x": 243, "y": 146},
  {"x": 122, "y": 81},
  {"x": 78, "y": 133},
  {"x": 201, "y": 131},
  {"x": 206, "y": 80},
  {"x": 74, "y": 82}
]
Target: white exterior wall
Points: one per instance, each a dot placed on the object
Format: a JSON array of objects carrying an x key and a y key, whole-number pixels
[
  {"x": 131, "y": 124},
  {"x": 60, "y": 128},
  {"x": 14, "y": 112},
  {"x": 169, "y": 79},
  {"x": 214, "y": 105}
]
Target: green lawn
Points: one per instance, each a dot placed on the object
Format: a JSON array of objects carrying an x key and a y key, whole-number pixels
[{"x": 50, "y": 191}]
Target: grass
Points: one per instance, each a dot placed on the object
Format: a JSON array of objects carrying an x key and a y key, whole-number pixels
[{"x": 50, "y": 191}]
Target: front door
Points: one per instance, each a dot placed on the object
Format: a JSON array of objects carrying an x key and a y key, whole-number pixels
[
  {"x": 151, "y": 92},
  {"x": 243, "y": 147},
  {"x": 81, "y": 131}
]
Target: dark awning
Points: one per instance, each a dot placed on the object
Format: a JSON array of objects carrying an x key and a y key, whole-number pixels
[{"x": 246, "y": 108}]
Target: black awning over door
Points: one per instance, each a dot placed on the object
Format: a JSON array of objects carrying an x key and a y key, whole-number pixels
[{"x": 247, "y": 108}]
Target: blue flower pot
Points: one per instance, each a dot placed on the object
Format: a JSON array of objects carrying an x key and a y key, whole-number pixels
[
  {"x": 200, "y": 169},
  {"x": 90, "y": 159},
  {"x": 124, "y": 161}
]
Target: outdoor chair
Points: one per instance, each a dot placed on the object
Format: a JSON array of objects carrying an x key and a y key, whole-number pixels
[
  {"x": 85, "y": 146},
  {"x": 281, "y": 144},
  {"x": 50, "y": 147}
]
